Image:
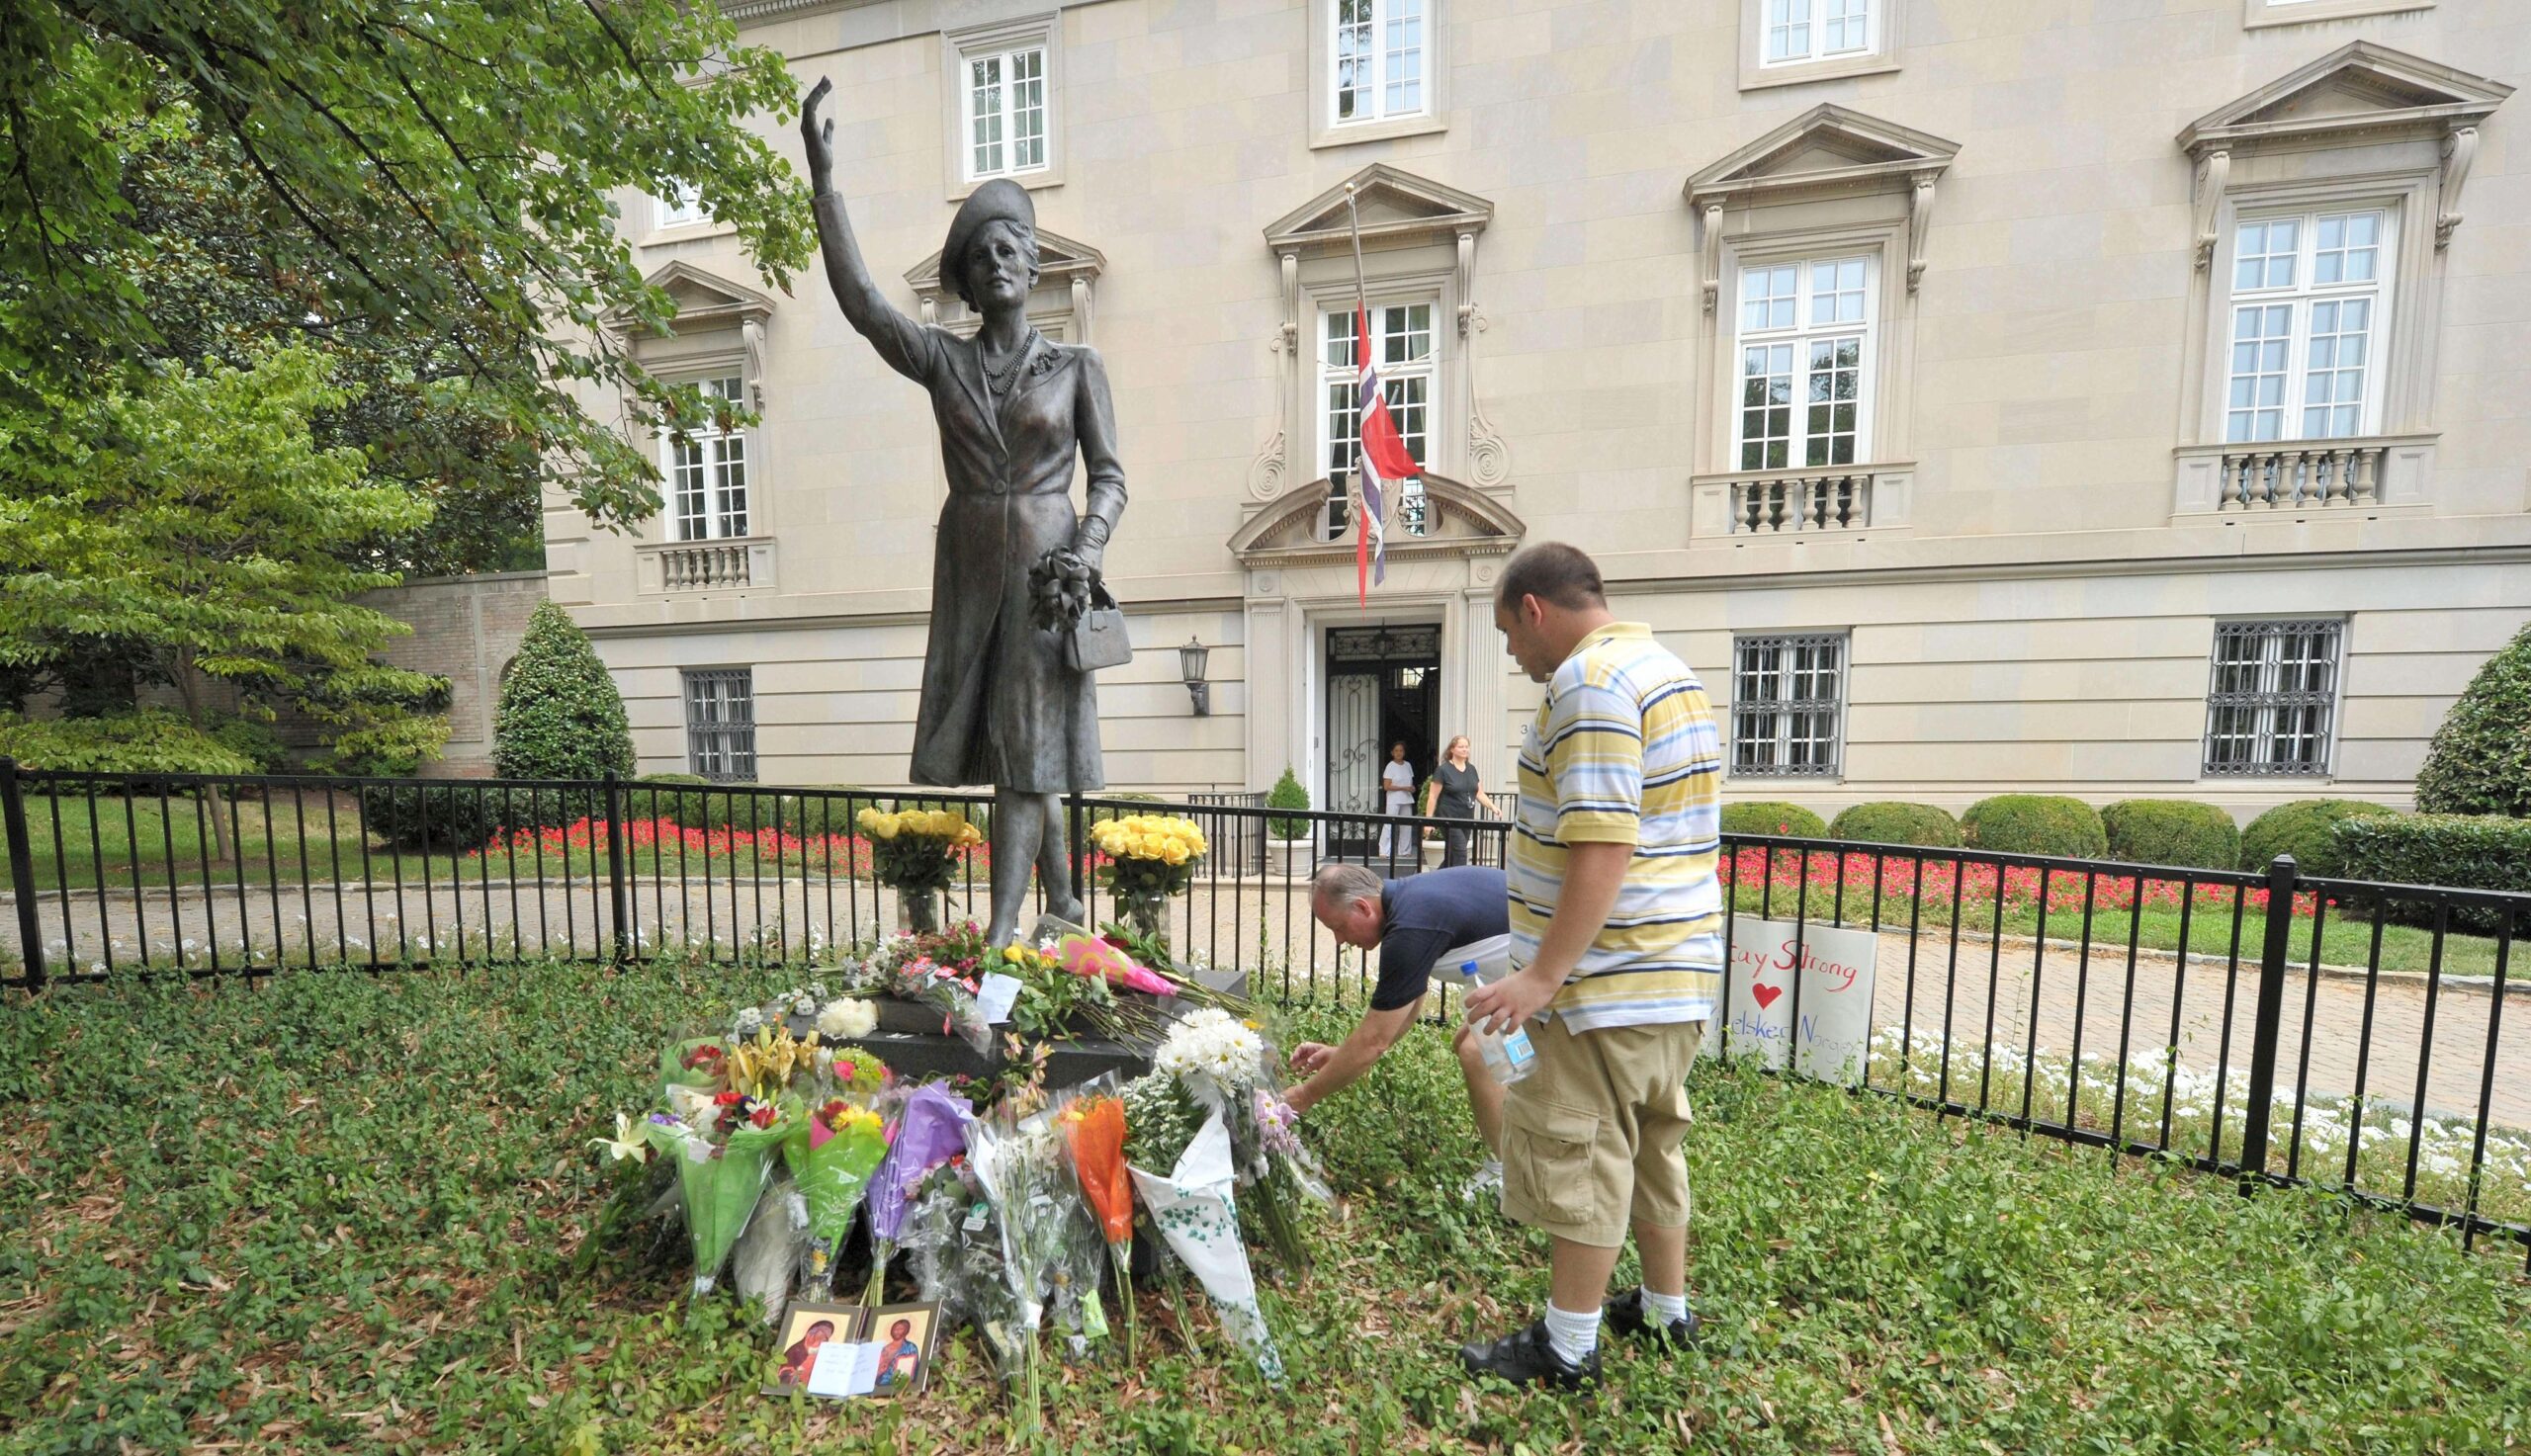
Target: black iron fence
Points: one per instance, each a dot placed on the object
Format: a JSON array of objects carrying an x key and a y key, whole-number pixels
[{"x": 2272, "y": 1027}]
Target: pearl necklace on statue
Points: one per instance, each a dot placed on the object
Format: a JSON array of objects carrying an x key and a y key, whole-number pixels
[{"x": 999, "y": 381}]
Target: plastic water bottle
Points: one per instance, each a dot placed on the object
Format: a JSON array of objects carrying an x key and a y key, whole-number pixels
[{"x": 1508, "y": 1055}]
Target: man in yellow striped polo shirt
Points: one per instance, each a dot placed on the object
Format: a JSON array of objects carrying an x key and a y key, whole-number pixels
[{"x": 1616, "y": 938}]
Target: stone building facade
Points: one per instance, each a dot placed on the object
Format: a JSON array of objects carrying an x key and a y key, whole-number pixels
[{"x": 2114, "y": 399}]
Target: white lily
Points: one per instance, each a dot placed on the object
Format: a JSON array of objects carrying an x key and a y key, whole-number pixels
[{"x": 627, "y": 1143}]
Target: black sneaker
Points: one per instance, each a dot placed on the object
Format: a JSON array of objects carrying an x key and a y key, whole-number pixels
[
  {"x": 1627, "y": 1315},
  {"x": 1524, "y": 1357}
]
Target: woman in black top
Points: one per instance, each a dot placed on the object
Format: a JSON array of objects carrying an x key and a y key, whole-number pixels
[{"x": 1454, "y": 793}]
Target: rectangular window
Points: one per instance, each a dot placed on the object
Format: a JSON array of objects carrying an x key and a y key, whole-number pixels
[
  {"x": 1806, "y": 339},
  {"x": 1800, "y": 30},
  {"x": 2270, "y": 707},
  {"x": 1005, "y": 112},
  {"x": 2308, "y": 302},
  {"x": 1379, "y": 58},
  {"x": 1402, "y": 333},
  {"x": 1788, "y": 702},
  {"x": 707, "y": 470},
  {"x": 720, "y": 723},
  {"x": 683, "y": 206}
]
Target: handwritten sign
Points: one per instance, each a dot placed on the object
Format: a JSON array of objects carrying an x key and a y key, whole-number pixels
[
  {"x": 1828, "y": 1019},
  {"x": 997, "y": 995},
  {"x": 844, "y": 1370}
]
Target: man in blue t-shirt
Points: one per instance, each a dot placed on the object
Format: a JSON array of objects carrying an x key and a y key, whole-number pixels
[{"x": 1412, "y": 922}]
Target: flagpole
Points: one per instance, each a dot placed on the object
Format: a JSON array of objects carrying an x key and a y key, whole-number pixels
[{"x": 1362, "y": 344}]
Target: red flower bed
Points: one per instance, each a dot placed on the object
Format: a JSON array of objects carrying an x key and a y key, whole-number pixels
[{"x": 2020, "y": 887}]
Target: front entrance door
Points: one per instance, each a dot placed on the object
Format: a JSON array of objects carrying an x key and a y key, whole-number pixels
[{"x": 1383, "y": 686}]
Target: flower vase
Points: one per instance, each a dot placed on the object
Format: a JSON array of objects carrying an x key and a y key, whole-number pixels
[
  {"x": 918, "y": 910},
  {"x": 1148, "y": 910}
]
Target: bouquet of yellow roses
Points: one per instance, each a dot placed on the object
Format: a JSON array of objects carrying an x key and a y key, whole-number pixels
[
  {"x": 916, "y": 848},
  {"x": 1150, "y": 853}
]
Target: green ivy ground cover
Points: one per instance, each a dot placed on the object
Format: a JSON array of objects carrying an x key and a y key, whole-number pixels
[{"x": 339, "y": 1213}]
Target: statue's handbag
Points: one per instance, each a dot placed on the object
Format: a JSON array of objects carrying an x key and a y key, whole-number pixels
[{"x": 1097, "y": 640}]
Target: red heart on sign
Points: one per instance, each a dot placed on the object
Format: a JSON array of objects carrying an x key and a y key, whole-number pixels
[{"x": 1766, "y": 994}]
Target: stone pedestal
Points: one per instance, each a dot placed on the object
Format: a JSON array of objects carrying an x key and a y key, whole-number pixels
[{"x": 910, "y": 1039}]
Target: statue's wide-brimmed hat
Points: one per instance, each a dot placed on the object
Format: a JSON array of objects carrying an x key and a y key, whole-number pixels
[{"x": 999, "y": 201}]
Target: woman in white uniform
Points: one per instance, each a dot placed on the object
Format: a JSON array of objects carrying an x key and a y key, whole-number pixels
[{"x": 1397, "y": 795}]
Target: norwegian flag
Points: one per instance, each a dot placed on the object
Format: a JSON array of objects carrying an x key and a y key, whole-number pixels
[{"x": 1384, "y": 459}]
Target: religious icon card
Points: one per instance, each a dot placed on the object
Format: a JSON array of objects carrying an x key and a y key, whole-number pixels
[
  {"x": 802, "y": 1351},
  {"x": 905, "y": 1336}
]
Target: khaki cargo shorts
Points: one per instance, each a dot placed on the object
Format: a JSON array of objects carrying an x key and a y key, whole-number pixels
[{"x": 1591, "y": 1137}]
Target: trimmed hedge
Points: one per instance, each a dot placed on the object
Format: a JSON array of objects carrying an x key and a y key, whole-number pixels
[
  {"x": 2171, "y": 831},
  {"x": 2479, "y": 762},
  {"x": 672, "y": 802},
  {"x": 1103, "y": 816},
  {"x": 741, "y": 807},
  {"x": 434, "y": 816},
  {"x": 1773, "y": 819},
  {"x": 2463, "y": 851},
  {"x": 813, "y": 816},
  {"x": 2303, "y": 829},
  {"x": 1287, "y": 793},
  {"x": 1920, "y": 826},
  {"x": 2036, "y": 824}
]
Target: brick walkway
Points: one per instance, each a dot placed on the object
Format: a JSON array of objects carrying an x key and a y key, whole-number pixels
[
  {"x": 2030, "y": 987},
  {"x": 2044, "y": 988}
]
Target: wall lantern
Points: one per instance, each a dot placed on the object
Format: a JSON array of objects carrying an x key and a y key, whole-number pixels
[{"x": 1191, "y": 670}]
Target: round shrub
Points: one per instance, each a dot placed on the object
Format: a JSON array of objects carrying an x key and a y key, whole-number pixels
[
  {"x": 2303, "y": 829},
  {"x": 561, "y": 716},
  {"x": 2034, "y": 824},
  {"x": 1287, "y": 793},
  {"x": 1921, "y": 826},
  {"x": 2171, "y": 831},
  {"x": 1773, "y": 819},
  {"x": 434, "y": 816},
  {"x": 2479, "y": 762}
]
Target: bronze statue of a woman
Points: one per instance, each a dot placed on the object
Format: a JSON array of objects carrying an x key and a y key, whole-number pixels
[{"x": 1002, "y": 703}]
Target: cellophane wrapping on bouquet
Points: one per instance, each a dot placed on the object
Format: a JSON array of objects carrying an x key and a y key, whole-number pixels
[
  {"x": 1020, "y": 1161},
  {"x": 953, "y": 1237},
  {"x": 832, "y": 1153},
  {"x": 1226, "y": 1065},
  {"x": 1196, "y": 1210},
  {"x": 932, "y": 1129},
  {"x": 723, "y": 1149},
  {"x": 770, "y": 1251},
  {"x": 941, "y": 969},
  {"x": 1094, "y": 1127}
]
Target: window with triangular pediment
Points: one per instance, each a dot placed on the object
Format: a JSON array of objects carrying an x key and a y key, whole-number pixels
[{"x": 2324, "y": 205}]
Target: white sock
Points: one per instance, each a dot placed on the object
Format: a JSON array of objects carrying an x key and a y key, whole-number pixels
[
  {"x": 1573, "y": 1336},
  {"x": 1672, "y": 1309}
]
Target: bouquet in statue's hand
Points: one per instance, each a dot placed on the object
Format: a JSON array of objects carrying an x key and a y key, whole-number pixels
[{"x": 1059, "y": 587}]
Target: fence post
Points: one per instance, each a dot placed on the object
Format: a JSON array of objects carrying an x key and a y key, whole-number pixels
[
  {"x": 22, "y": 873},
  {"x": 617, "y": 888},
  {"x": 2266, "y": 1027}
]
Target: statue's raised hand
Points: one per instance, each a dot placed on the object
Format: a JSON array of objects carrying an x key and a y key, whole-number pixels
[{"x": 819, "y": 134}]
